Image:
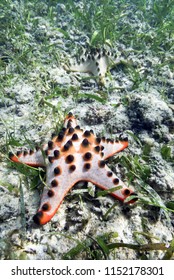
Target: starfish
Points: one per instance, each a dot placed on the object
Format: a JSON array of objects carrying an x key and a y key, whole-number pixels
[
  {"x": 95, "y": 61},
  {"x": 71, "y": 156}
]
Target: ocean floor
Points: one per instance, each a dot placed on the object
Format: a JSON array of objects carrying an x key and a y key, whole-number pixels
[{"x": 137, "y": 100}]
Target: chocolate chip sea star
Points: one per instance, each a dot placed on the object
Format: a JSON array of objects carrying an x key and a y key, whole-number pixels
[
  {"x": 71, "y": 156},
  {"x": 94, "y": 61}
]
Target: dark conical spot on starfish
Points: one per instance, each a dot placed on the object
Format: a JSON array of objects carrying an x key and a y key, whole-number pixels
[
  {"x": 87, "y": 133},
  {"x": 31, "y": 152},
  {"x": 50, "y": 193},
  {"x": 126, "y": 192},
  {"x": 53, "y": 135},
  {"x": 85, "y": 142},
  {"x": 108, "y": 140},
  {"x": 87, "y": 156},
  {"x": 92, "y": 131},
  {"x": 57, "y": 170},
  {"x": 74, "y": 137},
  {"x": 101, "y": 163},
  {"x": 37, "y": 148},
  {"x": 115, "y": 181},
  {"x": 94, "y": 50},
  {"x": 67, "y": 145},
  {"x": 18, "y": 153},
  {"x": 93, "y": 58},
  {"x": 103, "y": 139},
  {"x": 46, "y": 152},
  {"x": 71, "y": 130},
  {"x": 60, "y": 136},
  {"x": 98, "y": 140},
  {"x": 37, "y": 217},
  {"x": 25, "y": 153},
  {"x": 56, "y": 153},
  {"x": 69, "y": 159},
  {"x": 87, "y": 166},
  {"x": 72, "y": 168},
  {"x": 51, "y": 159},
  {"x": 97, "y": 149},
  {"x": 70, "y": 114},
  {"x": 109, "y": 174},
  {"x": 54, "y": 183},
  {"x": 98, "y": 69},
  {"x": 50, "y": 144},
  {"x": 102, "y": 148},
  {"x": 89, "y": 57},
  {"x": 99, "y": 56},
  {"x": 69, "y": 124},
  {"x": 77, "y": 127},
  {"x": 10, "y": 155},
  {"x": 97, "y": 64},
  {"x": 45, "y": 207},
  {"x": 101, "y": 154},
  {"x": 123, "y": 138}
]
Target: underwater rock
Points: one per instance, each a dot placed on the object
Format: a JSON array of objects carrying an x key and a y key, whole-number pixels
[
  {"x": 96, "y": 115},
  {"x": 146, "y": 111},
  {"x": 119, "y": 120},
  {"x": 162, "y": 176}
]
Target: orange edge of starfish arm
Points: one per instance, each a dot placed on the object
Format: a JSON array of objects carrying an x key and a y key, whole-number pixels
[
  {"x": 45, "y": 217},
  {"x": 16, "y": 159}
]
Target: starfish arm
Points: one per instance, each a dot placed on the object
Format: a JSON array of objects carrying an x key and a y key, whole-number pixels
[
  {"x": 51, "y": 201},
  {"x": 61, "y": 177},
  {"x": 101, "y": 175},
  {"x": 85, "y": 66},
  {"x": 113, "y": 147},
  {"x": 31, "y": 158},
  {"x": 70, "y": 121}
]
